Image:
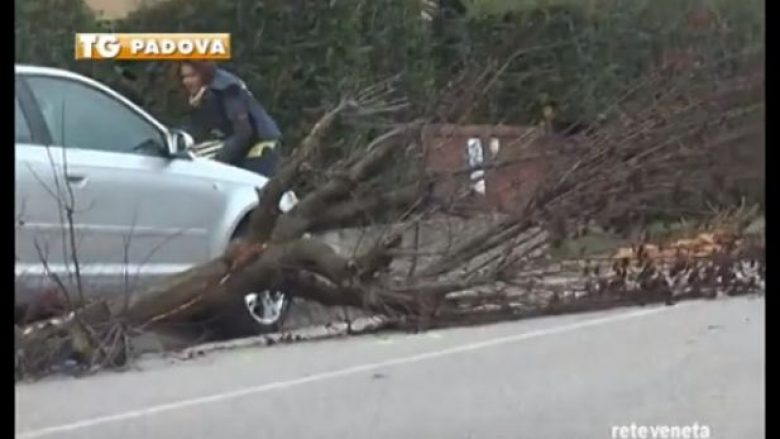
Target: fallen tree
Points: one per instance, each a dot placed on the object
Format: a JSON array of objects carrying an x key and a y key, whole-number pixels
[{"x": 666, "y": 127}]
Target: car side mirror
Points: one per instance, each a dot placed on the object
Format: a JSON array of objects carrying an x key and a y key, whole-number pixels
[{"x": 181, "y": 141}]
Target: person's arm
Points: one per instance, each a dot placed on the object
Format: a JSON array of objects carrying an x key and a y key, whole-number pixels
[
  {"x": 196, "y": 125},
  {"x": 266, "y": 126},
  {"x": 237, "y": 145}
]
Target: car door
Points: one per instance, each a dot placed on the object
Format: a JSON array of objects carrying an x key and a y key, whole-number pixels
[
  {"x": 38, "y": 232},
  {"x": 134, "y": 216}
]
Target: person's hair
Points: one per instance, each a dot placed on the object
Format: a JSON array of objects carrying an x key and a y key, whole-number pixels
[{"x": 205, "y": 69}]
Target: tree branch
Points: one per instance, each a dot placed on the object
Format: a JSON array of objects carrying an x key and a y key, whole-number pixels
[{"x": 263, "y": 219}]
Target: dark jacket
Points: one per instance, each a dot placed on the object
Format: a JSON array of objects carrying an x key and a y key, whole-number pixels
[{"x": 228, "y": 111}]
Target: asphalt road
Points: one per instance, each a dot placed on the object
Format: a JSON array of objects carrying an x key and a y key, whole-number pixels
[{"x": 696, "y": 364}]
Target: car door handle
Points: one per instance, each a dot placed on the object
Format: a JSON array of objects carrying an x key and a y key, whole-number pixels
[{"x": 76, "y": 179}]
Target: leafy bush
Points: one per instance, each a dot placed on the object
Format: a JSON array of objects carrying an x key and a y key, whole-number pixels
[
  {"x": 44, "y": 33},
  {"x": 300, "y": 56},
  {"x": 583, "y": 55}
]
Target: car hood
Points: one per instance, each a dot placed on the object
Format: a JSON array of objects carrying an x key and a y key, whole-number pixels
[
  {"x": 233, "y": 175},
  {"x": 227, "y": 173}
]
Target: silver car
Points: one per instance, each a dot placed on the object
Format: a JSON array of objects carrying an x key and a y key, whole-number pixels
[{"x": 108, "y": 199}]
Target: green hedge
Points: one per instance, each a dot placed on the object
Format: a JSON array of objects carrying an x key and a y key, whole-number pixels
[
  {"x": 584, "y": 54},
  {"x": 44, "y": 30},
  {"x": 298, "y": 56}
]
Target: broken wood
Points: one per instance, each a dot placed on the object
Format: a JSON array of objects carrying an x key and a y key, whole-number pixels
[{"x": 618, "y": 168}]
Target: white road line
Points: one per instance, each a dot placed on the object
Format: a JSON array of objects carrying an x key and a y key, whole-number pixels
[{"x": 323, "y": 376}]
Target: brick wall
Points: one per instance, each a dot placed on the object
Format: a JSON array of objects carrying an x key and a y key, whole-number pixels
[{"x": 515, "y": 160}]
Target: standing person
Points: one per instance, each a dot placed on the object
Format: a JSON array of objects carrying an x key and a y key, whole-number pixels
[{"x": 224, "y": 108}]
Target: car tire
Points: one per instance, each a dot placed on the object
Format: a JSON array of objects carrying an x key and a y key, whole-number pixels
[
  {"x": 254, "y": 313},
  {"x": 239, "y": 320}
]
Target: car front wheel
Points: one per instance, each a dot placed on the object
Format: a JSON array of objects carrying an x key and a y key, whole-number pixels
[
  {"x": 266, "y": 308},
  {"x": 256, "y": 312}
]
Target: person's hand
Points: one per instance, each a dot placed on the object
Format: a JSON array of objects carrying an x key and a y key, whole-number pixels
[{"x": 207, "y": 149}]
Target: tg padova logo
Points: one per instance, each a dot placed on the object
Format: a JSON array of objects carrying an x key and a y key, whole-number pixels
[{"x": 143, "y": 47}]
